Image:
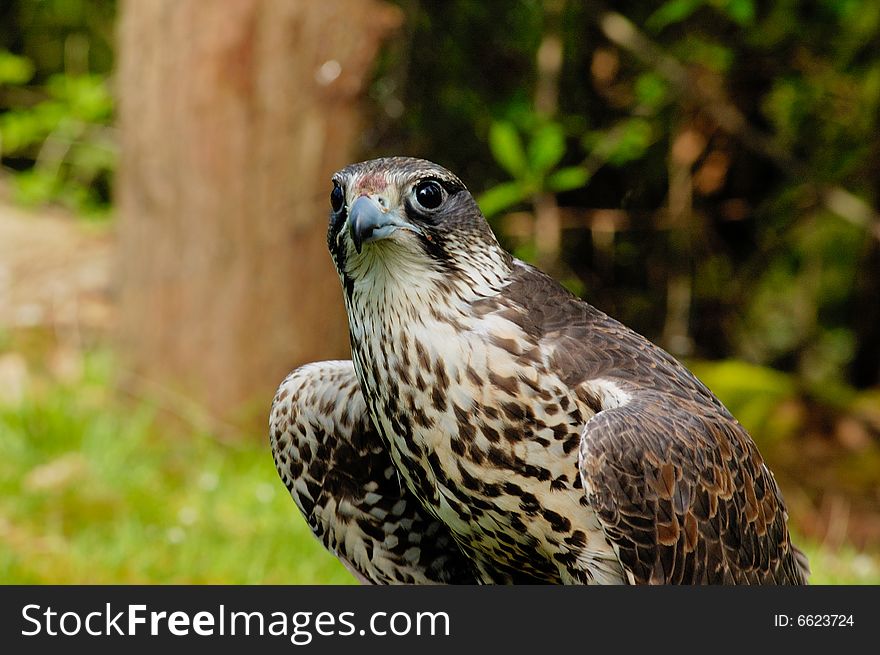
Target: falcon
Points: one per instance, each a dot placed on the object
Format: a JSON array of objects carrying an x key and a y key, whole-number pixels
[{"x": 524, "y": 435}]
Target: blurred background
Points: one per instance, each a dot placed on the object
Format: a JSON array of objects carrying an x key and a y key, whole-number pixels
[{"x": 706, "y": 171}]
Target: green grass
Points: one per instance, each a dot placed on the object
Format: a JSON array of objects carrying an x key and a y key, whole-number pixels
[
  {"x": 840, "y": 566},
  {"x": 95, "y": 490}
]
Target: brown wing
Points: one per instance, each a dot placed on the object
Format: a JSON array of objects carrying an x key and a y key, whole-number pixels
[
  {"x": 684, "y": 496},
  {"x": 678, "y": 483},
  {"x": 341, "y": 477}
]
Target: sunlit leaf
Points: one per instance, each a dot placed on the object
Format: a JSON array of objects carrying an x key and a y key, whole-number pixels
[
  {"x": 15, "y": 69},
  {"x": 526, "y": 252},
  {"x": 566, "y": 179},
  {"x": 507, "y": 148},
  {"x": 87, "y": 96},
  {"x": 34, "y": 187},
  {"x": 651, "y": 89},
  {"x": 546, "y": 147},
  {"x": 501, "y": 197},
  {"x": 672, "y": 12},
  {"x": 22, "y": 128}
]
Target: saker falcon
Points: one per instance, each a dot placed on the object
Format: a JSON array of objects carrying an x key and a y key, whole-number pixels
[{"x": 492, "y": 427}]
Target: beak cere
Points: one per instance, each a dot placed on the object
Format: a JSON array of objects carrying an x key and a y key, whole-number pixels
[{"x": 369, "y": 220}]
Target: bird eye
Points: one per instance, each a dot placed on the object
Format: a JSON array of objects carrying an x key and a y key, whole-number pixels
[
  {"x": 337, "y": 197},
  {"x": 429, "y": 194}
]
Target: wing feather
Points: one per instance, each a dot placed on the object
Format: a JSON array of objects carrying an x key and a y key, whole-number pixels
[
  {"x": 341, "y": 477},
  {"x": 679, "y": 486},
  {"x": 684, "y": 496}
]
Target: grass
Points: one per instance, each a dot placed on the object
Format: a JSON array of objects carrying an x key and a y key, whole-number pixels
[{"x": 94, "y": 490}]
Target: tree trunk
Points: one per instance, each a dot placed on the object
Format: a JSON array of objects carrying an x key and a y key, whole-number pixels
[{"x": 233, "y": 115}]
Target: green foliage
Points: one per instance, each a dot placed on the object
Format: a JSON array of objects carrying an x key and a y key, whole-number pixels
[
  {"x": 568, "y": 178},
  {"x": 533, "y": 166},
  {"x": 96, "y": 491},
  {"x": 754, "y": 393},
  {"x": 705, "y": 52},
  {"x": 66, "y": 138},
  {"x": 798, "y": 302},
  {"x": 15, "y": 69},
  {"x": 651, "y": 90},
  {"x": 841, "y": 566},
  {"x": 625, "y": 142},
  {"x": 506, "y": 146},
  {"x": 546, "y": 147},
  {"x": 56, "y": 108},
  {"x": 501, "y": 197},
  {"x": 672, "y": 12}
]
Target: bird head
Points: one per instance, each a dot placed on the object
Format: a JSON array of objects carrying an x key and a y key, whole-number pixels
[{"x": 406, "y": 217}]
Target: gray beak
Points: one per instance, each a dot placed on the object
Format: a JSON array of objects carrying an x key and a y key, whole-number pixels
[{"x": 369, "y": 221}]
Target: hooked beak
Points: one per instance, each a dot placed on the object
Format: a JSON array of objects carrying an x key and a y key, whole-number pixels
[{"x": 370, "y": 221}]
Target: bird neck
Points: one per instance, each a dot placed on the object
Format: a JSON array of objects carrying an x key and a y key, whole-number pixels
[{"x": 389, "y": 279}]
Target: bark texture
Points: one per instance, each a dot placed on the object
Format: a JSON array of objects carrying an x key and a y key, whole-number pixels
[{"x": 233, "y": 115}]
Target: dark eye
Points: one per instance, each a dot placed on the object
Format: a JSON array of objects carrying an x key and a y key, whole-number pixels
[
  {"x": 337, "y": 197},
  {"x": 429, "y": 194}
]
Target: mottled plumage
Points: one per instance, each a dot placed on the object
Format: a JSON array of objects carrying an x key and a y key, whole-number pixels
[
  {"x": 554, "y": 444},
  {"x": 341, "y": 476}
]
